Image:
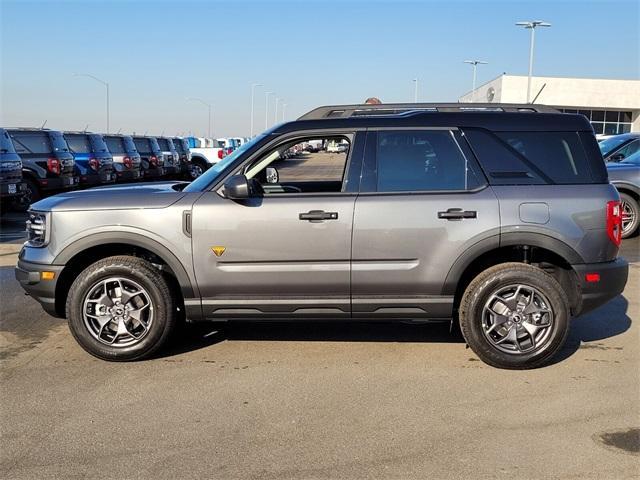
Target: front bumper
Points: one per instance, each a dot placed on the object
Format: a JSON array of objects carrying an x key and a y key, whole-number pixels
[
  {"x": 44, "y": 291},
  {"x": 612, "y": 280},
  {"x": 12, "y": 189}
]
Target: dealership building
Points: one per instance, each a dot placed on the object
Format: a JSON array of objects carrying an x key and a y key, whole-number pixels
[{"x": 612, "y": 106}]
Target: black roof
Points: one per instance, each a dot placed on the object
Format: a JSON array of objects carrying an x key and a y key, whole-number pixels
[{"x": 497, "y": 117}]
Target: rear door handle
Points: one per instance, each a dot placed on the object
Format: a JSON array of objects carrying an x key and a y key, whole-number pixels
[
  {"x": 318, "y": 216},
  {"x": 457, "y": 214}
]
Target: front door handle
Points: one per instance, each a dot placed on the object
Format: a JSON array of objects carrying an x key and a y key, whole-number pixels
[
  {"x": 457, "y": 214},
  {"x": 318, "y": 216}
]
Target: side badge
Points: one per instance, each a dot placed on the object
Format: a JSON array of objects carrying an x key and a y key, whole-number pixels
[{"x": 218, "y": 250}]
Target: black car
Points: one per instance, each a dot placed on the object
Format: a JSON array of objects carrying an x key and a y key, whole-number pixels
[
  {"x": 94, "y": 163},
  {"x": 184, "y": 154},
  {"x": 47, "y": 164},
  {"x": 170, "y": 156},
  {"x": 619, "y": 147},
  {"x": 11, "y": 184},
  {"x": 126, "y": 159},
  {"x": 151, "y": 155}
]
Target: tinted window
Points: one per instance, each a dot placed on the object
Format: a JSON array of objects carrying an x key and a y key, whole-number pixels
[
  {"x": 629, "y": 149},
  {"x": 142, "y": 144},
  {"x": 130, "y": 147},
  {"x": 154, "y": 144},
  {"x": 558, "y": 154},
  {"x": 422, "y": 161},
  {"x": 115, "y": 144},
  {"x": 5, "y": 143},
  {"x": 32, "y": 142},
  {"x": 97, "y": 143},
  {"x": 610, "y": 144},
  {"x": 164, "y": 144},
  {"x": 78, "y": 143},
  {"x": 179, "y": 145}
]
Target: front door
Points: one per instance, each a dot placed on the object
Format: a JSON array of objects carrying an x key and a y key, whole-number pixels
[{"x": 286, "y": 253}]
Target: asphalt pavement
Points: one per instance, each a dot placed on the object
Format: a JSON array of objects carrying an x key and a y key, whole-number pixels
[{"x": 319, "y": 400}]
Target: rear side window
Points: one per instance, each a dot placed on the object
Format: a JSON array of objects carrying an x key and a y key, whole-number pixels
[
  {"x": 115, "y": 144},
  {"x": 422, "y": 160},
  {"x": 78, "y": 143},
  {"x": 36, "y": 142},
  {"x": 558, "y": 154}
]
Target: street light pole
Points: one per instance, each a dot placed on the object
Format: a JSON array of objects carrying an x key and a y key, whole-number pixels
[
  {"x": 266, "y": 109},
  {"x": 532, "y": 26},
  {"x": 284, "y": 107},
  {"x": 275, "y": 116},
  {"x": 102, "y": 82},
  {"x": 209, "y": 109},
  {"x": 253, "y": 91},
  {"x": 475, "y": 64},
  {"x": 415, "y": 90}
]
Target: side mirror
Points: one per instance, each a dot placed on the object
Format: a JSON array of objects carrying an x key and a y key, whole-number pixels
[
  {"x": 239, "y": 187},
  {"x": 272, "y": 175}
]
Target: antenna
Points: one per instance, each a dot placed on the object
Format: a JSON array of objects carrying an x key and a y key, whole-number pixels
[
  {"x": 45, "y": 122},
  {"x": 86, "y": 127},
  {"x": 539, "y": 92},
  {"x": 118, "y": 132},
  {"x": 145, "y": 133}
]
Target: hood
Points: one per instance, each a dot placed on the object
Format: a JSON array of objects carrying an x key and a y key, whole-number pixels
[{"x": 115, "y": 197}]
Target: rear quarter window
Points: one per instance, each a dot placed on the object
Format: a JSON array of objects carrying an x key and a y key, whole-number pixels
[{"x": 558, "y": 154}]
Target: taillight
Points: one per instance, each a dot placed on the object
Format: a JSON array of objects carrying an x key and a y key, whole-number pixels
[
  {"x": 229, "y": 151},
  {"x": 94, "y": 164},
  {"x": 53, "y": 165},
  {"x": 154, "y": 161},
  {"x": 614, "y": 222},
  {"x": 127, "y": 162},
  {"x": 220, "y": 154}
]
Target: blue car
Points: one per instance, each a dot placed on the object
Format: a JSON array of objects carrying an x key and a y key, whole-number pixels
[{"x": 94, "y": 162}]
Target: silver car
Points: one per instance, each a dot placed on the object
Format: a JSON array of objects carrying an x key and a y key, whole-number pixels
[{"x": 501, "y": 219}]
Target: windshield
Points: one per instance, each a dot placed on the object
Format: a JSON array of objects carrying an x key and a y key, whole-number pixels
[
  {"x": 208, "y": 177},
  {"x": 610, "y": 144}
]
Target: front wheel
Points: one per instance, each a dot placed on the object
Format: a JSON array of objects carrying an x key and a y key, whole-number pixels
[
  {"x": 514, "y": 316},
  {"x": 120, "y": 308}
]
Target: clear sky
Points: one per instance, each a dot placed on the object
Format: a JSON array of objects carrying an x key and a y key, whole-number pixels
[{"x": 155, "y": 54}]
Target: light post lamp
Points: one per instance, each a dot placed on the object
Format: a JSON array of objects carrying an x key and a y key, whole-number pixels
[
  {"x": 209, "y": 108},
  {"x": 102, "y": 82},
  {"x": 415, "y": 90},
  {"x": 475, "y": 64},
  {"x": 532, "y": 26},
  {"x": 266, "y": 109},
  {"x": 253, "y": 92}
]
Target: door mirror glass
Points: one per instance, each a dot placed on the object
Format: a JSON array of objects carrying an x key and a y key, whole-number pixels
[{"x": 272, "y": 175}]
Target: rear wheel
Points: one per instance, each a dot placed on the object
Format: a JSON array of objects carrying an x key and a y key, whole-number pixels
[
  {"x": 120, "y": 308},
  {"x": 514, "y": 316},
  {"x": 198, "y": 167},
  {"x": 630, "y": 215}
]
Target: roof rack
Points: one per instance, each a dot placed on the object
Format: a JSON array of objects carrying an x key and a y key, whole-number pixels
[{"x": 394, "y": 109}]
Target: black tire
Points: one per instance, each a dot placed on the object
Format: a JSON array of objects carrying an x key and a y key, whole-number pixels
[
  {"x": 632, "y": 204},
  {"x": 31, "y": 195},
  {"x": 198, "y": 167},
  {"x": 493, "y": 280},
  {"x": 161, "y": 299}
]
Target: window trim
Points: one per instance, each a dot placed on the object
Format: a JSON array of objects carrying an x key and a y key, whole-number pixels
[{"x": 370, "y": 163}]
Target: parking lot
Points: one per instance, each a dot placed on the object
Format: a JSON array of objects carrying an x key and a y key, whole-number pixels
[{"x": 316, "y": 400}]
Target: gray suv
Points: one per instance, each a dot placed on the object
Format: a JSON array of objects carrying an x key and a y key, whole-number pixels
[{"x": 499, "y": 217}]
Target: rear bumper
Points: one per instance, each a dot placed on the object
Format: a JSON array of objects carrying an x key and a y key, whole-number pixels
[
  {"x": 613, "y": 278},
  {"x": 58, "y": 183},
  {"x": 154, "y": 172},
  {"x": 44, "y": 291},
  {"x": 100, "y": 178},
  {"x": 129, "y": 175}
]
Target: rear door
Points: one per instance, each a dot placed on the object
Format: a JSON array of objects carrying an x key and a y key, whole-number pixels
[{"x": 423, "y": 203}]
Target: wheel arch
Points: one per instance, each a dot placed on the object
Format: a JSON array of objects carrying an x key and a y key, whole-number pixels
[{"x": 80, "y": 254}]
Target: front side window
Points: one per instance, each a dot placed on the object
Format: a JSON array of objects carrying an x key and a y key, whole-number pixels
[
  {"x": 422, "y": 160},
  {"x": 311, "y": 165}
]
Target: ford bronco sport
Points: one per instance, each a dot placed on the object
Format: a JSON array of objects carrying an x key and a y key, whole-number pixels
[{"x": 499, "y": 217}]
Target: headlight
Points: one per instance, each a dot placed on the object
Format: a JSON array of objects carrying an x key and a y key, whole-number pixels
[{"x": 38, "y": 229}]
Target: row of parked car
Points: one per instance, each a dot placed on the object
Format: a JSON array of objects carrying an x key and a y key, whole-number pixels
[{"x": 40, "y": 162}]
